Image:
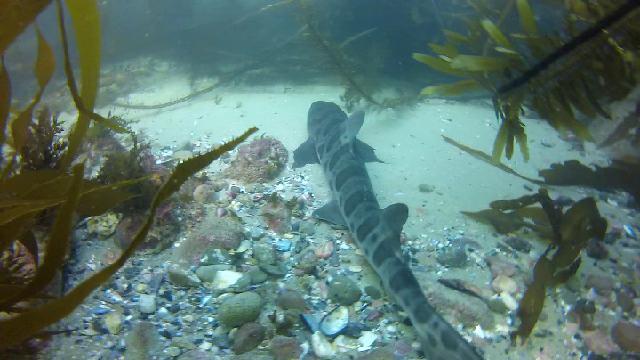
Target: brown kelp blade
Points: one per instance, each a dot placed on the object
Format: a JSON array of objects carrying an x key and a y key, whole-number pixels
[
  {"x": 488, "y": 159},
  {"x": 15, "y": 16},
  {"x": 18, "y": 328}
]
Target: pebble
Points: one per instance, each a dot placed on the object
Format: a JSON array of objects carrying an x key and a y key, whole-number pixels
[
  {"x": 248, "y": 337},
  {"x": 113, "y": 322},
  {"x": 147, "y": 304},
  {"x": 307, "y": 227},
  {"x": 182, "y": 278},
  {"x": 626, "y": 335},
  {"x": 343, "y": 290},
  {"x": 239, "y": 309},
  {"x": 602, "y": 284},
  {"x": 172, "y": 351},
  {"x": 322, "y": 347},
  {"x": 225, "y": 279},
  {"x": 207, "y": 273},
  {"x": 285, "y": 348},
  {"x": 366, "y": 340},
  {"x": 426, "y": 188},
  {"x": 325, "y": 250},
  {"x": 335, "y": 322},
  {"x": 454, "y": 256},
  {"x": 504, "y": 283},
  {"x": 257, "y": 276},
  {"x": 283, "y": 245},
  {"x": 290, "y": 299}
]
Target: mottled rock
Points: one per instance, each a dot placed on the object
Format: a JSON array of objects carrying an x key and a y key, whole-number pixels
[
  {"x": 113, "y": 322},
  {"x": 261, "y": 160},
  {"x": 212, "y": 233},
  {"x": 285, "y": 348},
  {"x": 147, "y": 304},
  {"x": 454, "y": 256},
  {"x": 290, "y": 299},
  {"x": 307, "y": 261},
  {"x": 307, "y": 227},
  {"x": 504, "y": 283},
  {"x": 602, "y": 284},
  {"x": 426, "y": 188},
  {"x": 626, "y": 335},
  {"x": 182, "y": 278},
  {"x": 207, "y": 273},
  {"x": 248, "y": 337},
  {"x": 599, "y": 343},
  {"x": 264, "y": 253},
  {"x": 239, "y": 309},
  {"x": 499, "y": 266},
  {"x": 343, "y": 290}
]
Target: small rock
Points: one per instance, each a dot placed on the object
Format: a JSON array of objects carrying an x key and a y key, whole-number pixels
[
  {"x": 147, "y": 304},
  {"x": 172, "y": 351},
  {"x": 597, "y": 250},
  {"x": 263, "y": 253},
  {"x": 373, "y": 291},
  {"x": 113, "y": 322},
  {"x": 182, "y": 278},
  {"x": 602, "y": 284},
  {"x": 321, "y": 347},
  {"x": 248, "y": 337},
  {"x": 624, "y": 298},
  {"x": 207, "y": 273},
  {"x": 307, "y": 261},
  {"x": 307, "y": 227},
  {"x": 335, "y": 322},
  {"x": 499, "y": 266},
  {"x": 626, "y": 335},
  {"x": 283, "y": 245},
  {"x": 366, "y": 340},
  {"x": 599, "y": 343},
  {"x": 290, "y": 299},
  {"x": 240, "y": 309},
  {"x": 225, "y": 279},
  {"x": 496, "y": 305},
  {"x": 257, "y": 276},
  {"x": 285, "y": 348},
  {"x": 426, "y": 188},
  {"x": 504, "y": 284},
  {"x": 454, "y": 256},
  {"x": 343, "y": 290},
  {"x": 325, "y": 250}
]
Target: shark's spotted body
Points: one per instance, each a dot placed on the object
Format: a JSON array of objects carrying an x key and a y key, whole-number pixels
[{"x": 332, "y": 143}]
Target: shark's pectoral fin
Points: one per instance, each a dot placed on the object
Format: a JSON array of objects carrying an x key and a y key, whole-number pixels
[
  {"x": 395, "y": 215},
  {"x": 351, "y": 127},
  {"x": 305, "y": 154},
  {"x": 330, "y": 212},
  {"x": 365, "y": 152}
]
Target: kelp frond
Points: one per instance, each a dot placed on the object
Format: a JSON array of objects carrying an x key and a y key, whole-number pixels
[
  {"x": 560, "y": 79},
  {"x": 567, "y": 232},
  {"x": 28, "y": 188}
]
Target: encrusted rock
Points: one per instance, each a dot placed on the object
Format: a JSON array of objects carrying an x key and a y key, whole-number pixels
[
  {"x": 248, "y": 337},
  {"x": 239, "y": 309},
  {"x": 290, "y": 299},
  {"x": 261, "y": 160},
  {"x": 285, "y": 348},
  {"x": 454, "y": 256},
  {"x": 343, "y": 290},
  {"x": 626, "y": 335}
]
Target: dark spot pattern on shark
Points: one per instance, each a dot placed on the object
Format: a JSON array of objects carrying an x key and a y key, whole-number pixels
[{"x": 332, "y": 142}]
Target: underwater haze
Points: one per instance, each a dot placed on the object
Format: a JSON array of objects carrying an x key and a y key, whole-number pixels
[{"x": 320, "y": 179}]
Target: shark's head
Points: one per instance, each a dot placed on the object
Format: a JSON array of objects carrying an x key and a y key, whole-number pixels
[{"x": 322, "y": 115}]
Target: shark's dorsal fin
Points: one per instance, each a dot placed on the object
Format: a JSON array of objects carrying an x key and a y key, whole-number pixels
[
  {"x": 352, "y": 126},
  {"x": 365, "y": 152},
  {"x": 395, "y": 215},
  {"x": 330, "y": 212},
  {"x": 305, "y": 154}
]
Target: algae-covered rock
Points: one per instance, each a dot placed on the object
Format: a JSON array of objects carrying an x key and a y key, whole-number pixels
[
  {"x": 261, "y": 160},
  {"x": 239, "y": 309},
  {"x": 343, "y": 290},
  {"x": 212, "y": 233}
]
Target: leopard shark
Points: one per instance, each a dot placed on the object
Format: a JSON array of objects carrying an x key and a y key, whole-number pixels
[{"x": 332, "y": 143}]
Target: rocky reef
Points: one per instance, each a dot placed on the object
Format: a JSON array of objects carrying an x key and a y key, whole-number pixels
[{"x": 261, "y": 160}]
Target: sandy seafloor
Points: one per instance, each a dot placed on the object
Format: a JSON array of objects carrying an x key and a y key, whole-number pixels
[{"x": 409, "y": 142}]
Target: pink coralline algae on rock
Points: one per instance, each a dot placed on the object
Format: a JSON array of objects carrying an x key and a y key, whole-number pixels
[
  {"x": 212, "y": 233},
  {"x": 276, "y": 214},
  {"x": 261, "y": 160}
]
